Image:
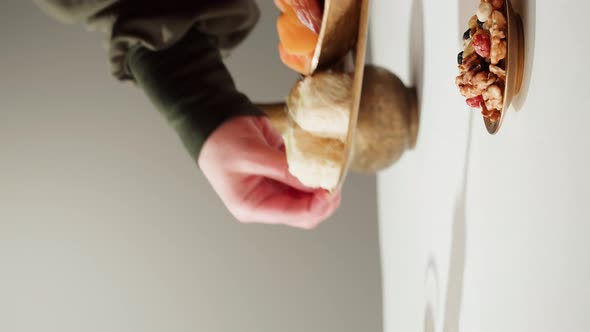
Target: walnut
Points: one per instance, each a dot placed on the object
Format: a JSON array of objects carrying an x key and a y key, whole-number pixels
[
  {"x": 497, "y": 33},
  {"x": 483, "y": 80},
  {"x": 465, "y": 84},
  {"x": 501, "y": 73},
  {"x": 493, "y": 97},
  {"x": 499, "y": 49},
  {"x": 497, "y": 23},
  {"x": 475, "y": 82},
  {"x": 497, "y": 20},
  {"x": 470, "y": 91},
  {"x": 468, "y": 76},
  {"x": 469, "y": 63}
]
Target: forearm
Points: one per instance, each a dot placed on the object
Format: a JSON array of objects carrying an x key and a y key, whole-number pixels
[
  {"x": 191, "y": 87},
  {"x": 171, "y": 50}
]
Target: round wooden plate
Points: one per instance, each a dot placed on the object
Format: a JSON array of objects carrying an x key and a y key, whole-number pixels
[
  {"x": 514, "y": 64},
  {"x": 338, "y": 34},
  {"x": 341, "y": 46}
]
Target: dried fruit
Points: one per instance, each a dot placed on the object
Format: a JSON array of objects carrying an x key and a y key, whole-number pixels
[
  {"x": 473, "y": 22},
  {"x": 468, "y": 50},
  {"x": 482, "y": 65},
  {"x": 475, "y": 102},
  {"x": 497, "y": 4},
  {"x": 482, "y": 44}
]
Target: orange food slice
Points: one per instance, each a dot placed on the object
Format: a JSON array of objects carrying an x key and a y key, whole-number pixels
[
  {"x": 298, "y": 26},
  {"x": 309, "y": 13},
  {"x": 298, "y": 63},
  {"x": 296, "y": 38}
]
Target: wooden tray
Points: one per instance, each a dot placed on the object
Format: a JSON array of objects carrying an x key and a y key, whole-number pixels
[
  {"x": 341, "y": 46},
  {"x": 338, "y": 34}
]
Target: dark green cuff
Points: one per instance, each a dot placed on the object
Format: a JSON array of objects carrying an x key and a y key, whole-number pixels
[{"x": 190, "y": 86}]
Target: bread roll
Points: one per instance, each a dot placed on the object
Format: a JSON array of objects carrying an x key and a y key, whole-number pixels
[
  {"x": 315, "y": 161},
  {"x": 320, "y": 104},
  {"x": 319, "y": 107}
]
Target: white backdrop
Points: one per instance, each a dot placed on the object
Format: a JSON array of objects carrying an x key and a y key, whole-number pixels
[{"x": 483, "y": 233}]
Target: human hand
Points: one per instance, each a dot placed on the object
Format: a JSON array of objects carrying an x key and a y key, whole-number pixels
[{"x": 245, "y": 162}]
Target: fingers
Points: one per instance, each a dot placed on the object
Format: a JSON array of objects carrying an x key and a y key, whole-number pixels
[
  {"x": 251, "y": 146},
  {"x": 270, "y": 160},
  {"x": 246, "y": 164},
  {"x": 274, "y": 203},
  {"x": 271, "y": 163}
]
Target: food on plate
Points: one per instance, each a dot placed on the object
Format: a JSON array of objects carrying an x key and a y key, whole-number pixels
[
  {"x": 319, "y": 107},
  {"x": 482, "y": 65},
  {"x": 299, "y": 26},
  {"x": 314, "y": 161},
  {"x": 320, "y": 104}
]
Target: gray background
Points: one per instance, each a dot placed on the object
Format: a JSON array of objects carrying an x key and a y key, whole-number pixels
[{"x": 107, "y": 225}]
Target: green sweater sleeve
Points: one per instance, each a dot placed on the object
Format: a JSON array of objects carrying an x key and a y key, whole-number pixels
[
  {"x": 156, "y": 24},
  {"x": 189, "y": 84}
]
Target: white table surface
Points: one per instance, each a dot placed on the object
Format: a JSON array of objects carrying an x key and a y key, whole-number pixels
[{"x": 480, "y": 232}]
